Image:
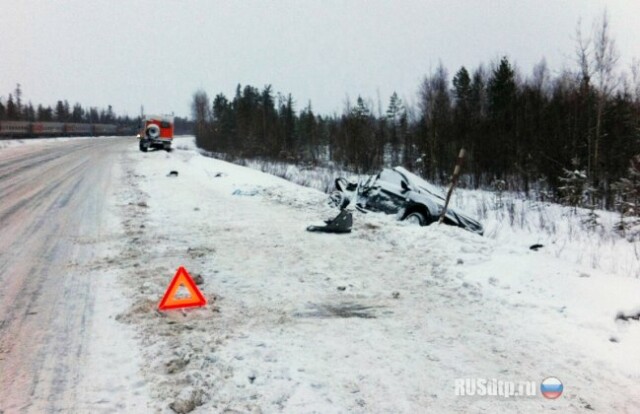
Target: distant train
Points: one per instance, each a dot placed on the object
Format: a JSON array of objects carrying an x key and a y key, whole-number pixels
[{"x": 26, "y": 129}]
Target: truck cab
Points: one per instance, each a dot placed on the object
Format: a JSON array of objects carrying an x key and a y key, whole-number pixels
[{"x": 156, "y": 132}]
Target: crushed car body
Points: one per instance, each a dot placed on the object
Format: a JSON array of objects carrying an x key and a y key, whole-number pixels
[{"x": 400, "y": 192}]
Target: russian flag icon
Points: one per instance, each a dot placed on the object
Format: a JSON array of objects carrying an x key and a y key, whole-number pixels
[{"x": 551, "y": 388}]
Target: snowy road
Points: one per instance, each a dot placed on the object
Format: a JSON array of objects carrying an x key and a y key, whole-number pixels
[
  {"x": 53, "y": 217},
  {"x": 382, "y": 320}
]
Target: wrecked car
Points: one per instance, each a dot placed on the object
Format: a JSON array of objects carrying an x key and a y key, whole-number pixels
[{"x": 400, "y": 192}]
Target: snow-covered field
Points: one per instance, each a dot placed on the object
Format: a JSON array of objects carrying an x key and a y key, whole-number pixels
[
  {"x": 512, "y": 218},
  {"x": 384, "y": 319}
]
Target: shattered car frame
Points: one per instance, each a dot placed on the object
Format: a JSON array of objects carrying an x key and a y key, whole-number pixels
[{"x": 400, "y": 192}]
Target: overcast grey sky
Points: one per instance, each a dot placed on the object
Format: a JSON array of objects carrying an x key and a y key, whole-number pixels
[{"x": 156, "y": 53}]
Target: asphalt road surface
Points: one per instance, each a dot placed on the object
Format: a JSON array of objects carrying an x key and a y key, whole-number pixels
[{"x": 52, "y": 196}]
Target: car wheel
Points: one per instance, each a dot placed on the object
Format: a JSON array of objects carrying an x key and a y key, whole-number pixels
[
  {"x": 143, "y": 147},
  {"x": 416, "y": 218}
]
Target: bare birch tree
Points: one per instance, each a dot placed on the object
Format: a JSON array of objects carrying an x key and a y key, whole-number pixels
[{"x": 605, "y": 57}]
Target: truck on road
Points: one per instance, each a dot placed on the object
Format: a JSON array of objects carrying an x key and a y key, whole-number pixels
[{"x": 157, "y": 132}]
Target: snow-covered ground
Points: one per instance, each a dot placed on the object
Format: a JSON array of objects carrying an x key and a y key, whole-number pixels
[
  {"x": 382, "y": 320},
  {"x": 508, "y": 217}
]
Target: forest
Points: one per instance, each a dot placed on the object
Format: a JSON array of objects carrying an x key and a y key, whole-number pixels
[
  {"x": 547, "y": 134},
  {"x": 15, "y": 109}
]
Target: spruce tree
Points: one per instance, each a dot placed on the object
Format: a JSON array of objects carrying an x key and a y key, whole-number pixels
[
  {"x": 573, "y": 186},
  {"x": 395, "y": 113},
  {"x": 628, "y": 189},
  {"x": 12, "y": 110},
  {"x": 501, "y": 143},
  {"x": 592, "y": 219}
]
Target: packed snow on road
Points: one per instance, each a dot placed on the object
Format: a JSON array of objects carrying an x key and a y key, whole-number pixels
[{"x": 385, "y": 319}]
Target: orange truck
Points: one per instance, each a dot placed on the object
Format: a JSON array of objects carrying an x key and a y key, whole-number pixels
[{"x": 157, "y": 132}]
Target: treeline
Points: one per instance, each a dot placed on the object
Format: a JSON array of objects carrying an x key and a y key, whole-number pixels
[
  {"x": 14, "y": 109},
  {"x": 528, "y": 131},
  {"x": 257, "y": 123}
]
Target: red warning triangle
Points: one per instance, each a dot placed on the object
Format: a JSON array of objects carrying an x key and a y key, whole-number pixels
[{"x": 182, "y": 279}]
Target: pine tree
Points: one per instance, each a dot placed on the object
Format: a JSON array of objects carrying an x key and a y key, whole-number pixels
[
  {"x": 395, "y": 113},
  {"x": 12, "y": 110},
  {"x": 77, "y": 114},
  {"x": 201, "y": 113},
  {"x": 18, "y": 92},
  {"x": 29, "y": 112},
  {"x": 287, "y": 119},
  {"x": 573, "y": 186},
  {"x": 222, "y": 130},
  {"x": 309, "y": 134},
  {"x": 61, "y": 112},
  {"x": 502, "y": 142},
  {"x": 479, "y": 153},
  {"x": 628, "y": 189},
  {"x": 110, "y": 116},
  {"x": 93, "y": 115},
  {"x": 361, "y": 151},
  {"x": 592, "y": 219}
]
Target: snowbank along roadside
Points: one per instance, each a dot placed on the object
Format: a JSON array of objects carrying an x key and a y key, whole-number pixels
[{"x": 380, "y": 320}]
